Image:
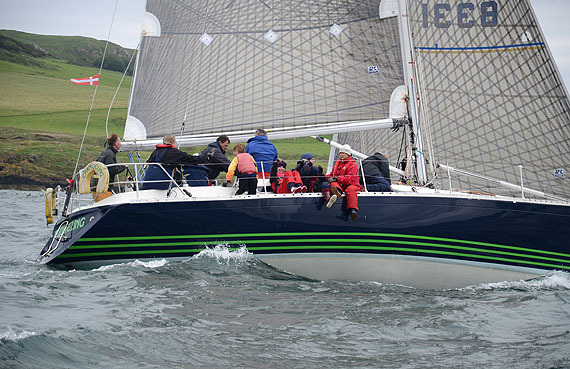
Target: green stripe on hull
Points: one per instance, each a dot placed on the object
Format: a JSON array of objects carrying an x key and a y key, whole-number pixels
[
  {"x": 127, "y": 253},
  {"x": 281, "y": 234},
  {"x": 313, "y": 247},
  {"x": 298, "y": 240}
]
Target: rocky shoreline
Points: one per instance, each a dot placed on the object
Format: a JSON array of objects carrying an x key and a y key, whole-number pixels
[
  {"x": 35, "y": 161},
  {"x": 20, "y": 172},
  {"x": 22, "y": 183}
]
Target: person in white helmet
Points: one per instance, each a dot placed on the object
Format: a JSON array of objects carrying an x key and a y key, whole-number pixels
[{"x": 344, "y": 179}]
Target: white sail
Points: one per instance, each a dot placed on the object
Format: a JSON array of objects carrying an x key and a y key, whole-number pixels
[
  {"x": 391, "y": 143},
  {"x": 491, "y": 97},
  {"x": 221, "y": 67}
]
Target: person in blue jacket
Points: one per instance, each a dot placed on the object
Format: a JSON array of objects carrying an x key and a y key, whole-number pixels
[{"x": 263, "y": 151}]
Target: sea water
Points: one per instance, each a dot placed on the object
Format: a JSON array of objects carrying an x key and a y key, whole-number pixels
[{"x": 226, "y": 309}]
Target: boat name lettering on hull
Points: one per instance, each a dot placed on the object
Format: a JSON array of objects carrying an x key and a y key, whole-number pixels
[
  {"x": 71, "y": 226},
  {"x": 464, "y": 15}
]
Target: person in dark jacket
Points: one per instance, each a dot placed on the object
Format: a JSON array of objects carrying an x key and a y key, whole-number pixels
[
  {"x": 216, "y": 155},
  {"x": 172, "y": 161},
  {"x": 263, "y": 151},
  {"x": 376, "y": 173},
  {"x": 311, "y": 175},
  {"x": 196, "y": 175},
  {"x": 109, "y": 157}
]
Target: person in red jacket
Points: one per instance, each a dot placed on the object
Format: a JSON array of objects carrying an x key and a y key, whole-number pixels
[
  {"x": 285, "y": 181},
  {"x": 344, "y": 179}
]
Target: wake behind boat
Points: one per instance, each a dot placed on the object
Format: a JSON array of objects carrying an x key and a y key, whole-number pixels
[{"x": 466, "y": 88}]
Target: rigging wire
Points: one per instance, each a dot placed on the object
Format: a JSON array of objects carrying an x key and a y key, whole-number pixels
[
  {"x": 398, "y": 161},
  {"x": 95, "y": 92},
  {"x": 138, "y": 170},
  {"x": 118, "y": 87}
]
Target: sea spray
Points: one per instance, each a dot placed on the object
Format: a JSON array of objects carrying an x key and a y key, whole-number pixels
[
  {"x": 225, "y": 254},
  {"x": 15, "y": 336},
  {"x": 152, "y": 264},
  {"x": 552, "y": 280}
]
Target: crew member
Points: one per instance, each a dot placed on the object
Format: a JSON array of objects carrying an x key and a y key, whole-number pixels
[{"x": 344, "y": 179}]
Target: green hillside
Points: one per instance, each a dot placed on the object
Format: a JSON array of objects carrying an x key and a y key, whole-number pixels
[
  {"x": 31, "y": 49},
  {"x": 43, "y": 115}
]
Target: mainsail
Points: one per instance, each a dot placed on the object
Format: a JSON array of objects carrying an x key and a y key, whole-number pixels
[
  {"x": 491, "y": 97},
  {"x": 228, "y": 66}
]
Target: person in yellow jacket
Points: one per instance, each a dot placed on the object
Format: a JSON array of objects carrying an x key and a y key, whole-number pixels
[{"x": 245, "y": 169}]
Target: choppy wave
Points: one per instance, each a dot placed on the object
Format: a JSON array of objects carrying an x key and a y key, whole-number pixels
[
  {"x": 552, "y": 280},
  {"x": 225, "y": 308},
  {"x": 225, "y": 253},
  {"x": 15, "y": 336},
  {"x": 221, "y": 253},
  {"x": 151, "y": 264}
]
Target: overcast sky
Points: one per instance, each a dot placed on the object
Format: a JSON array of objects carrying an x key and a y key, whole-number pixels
[{"x": 92, "y": 18}]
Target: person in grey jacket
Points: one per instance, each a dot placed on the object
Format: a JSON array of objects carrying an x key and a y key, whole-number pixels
[{"x": 109, "y": 156}]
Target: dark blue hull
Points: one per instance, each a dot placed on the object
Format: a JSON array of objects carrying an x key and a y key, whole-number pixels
[{"x": 450, "y": 229}]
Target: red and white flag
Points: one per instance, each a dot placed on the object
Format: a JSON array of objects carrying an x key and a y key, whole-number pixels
[{"x": 94, "y": 80}]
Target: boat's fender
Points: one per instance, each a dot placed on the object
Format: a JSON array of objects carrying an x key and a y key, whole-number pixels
[
  {"x": 98, "y": 169},
  {"x": 50, "y": 205}
]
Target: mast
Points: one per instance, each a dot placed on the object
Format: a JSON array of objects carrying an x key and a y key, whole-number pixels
[{"x": 413, "y": 107}]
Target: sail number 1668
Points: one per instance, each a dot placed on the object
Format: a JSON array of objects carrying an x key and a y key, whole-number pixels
[{"x": 463, "y": 15}]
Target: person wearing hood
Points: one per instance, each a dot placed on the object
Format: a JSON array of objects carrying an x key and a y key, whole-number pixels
[
  {"x": 218, "y": 161},
  {"x": 311, "y": 175},
  {"x": 263, "y": 151},
  {"x": 344, "y": 179},
  {"x": 376, "y": 173}
]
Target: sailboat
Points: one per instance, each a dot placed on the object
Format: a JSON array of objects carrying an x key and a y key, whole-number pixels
[{"x": 463, "y": 95}]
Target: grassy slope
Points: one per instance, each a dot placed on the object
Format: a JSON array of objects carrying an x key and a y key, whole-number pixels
[
  {"x": 43, "y": 117},
  {"x": 75, "y": 50}
]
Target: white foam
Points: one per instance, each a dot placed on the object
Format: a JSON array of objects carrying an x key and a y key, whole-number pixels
[
  {"x": 14, "y": 336},
  {"x": 151, "y": 264},
  {"x": 552, "y": 280},
  {"x": 224, "y": 253}
]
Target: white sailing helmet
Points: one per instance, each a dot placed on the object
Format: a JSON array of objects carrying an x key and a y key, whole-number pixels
[{"x": 346, "y": 149}]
